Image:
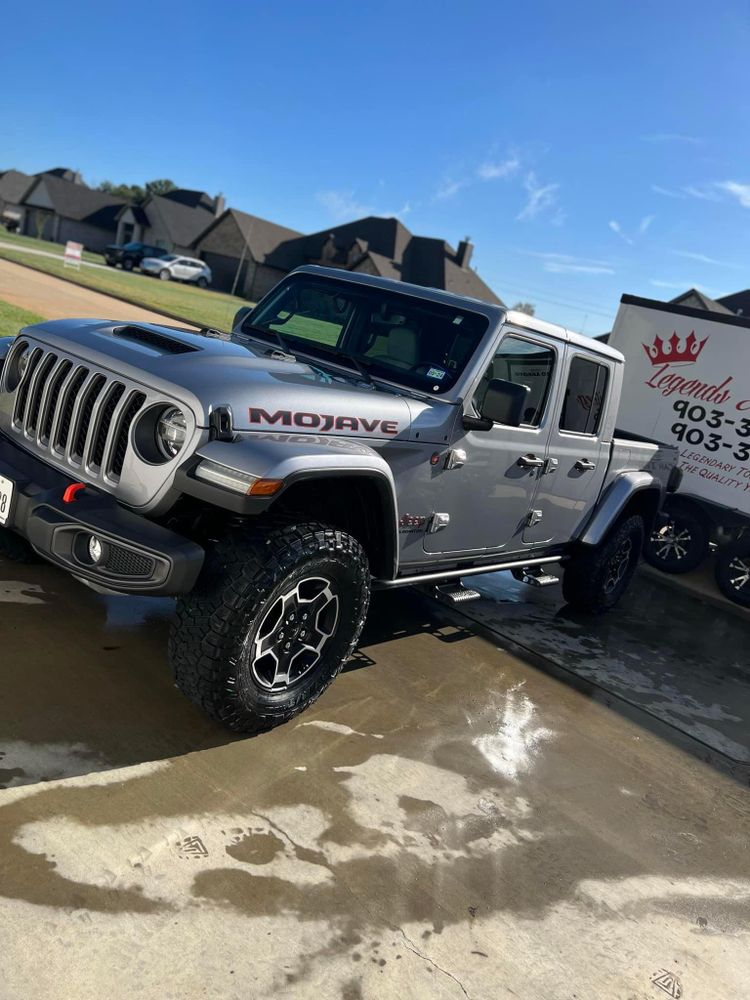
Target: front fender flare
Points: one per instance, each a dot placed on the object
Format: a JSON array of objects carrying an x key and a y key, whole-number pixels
[
  {"x": 293, "y": 458},
  {"x": 613, "y": 501}
]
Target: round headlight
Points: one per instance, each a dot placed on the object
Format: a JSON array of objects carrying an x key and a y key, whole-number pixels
[
  {"x": 19, "y": 362},
  {"x": 171, "y": 431},
  {"x": 22, "y": 361}
]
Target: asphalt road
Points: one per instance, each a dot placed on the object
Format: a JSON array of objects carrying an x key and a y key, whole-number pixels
[{"x": 450, "y": 820}]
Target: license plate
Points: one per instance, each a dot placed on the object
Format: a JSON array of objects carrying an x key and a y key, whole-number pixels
[{"x": 6, "y": 496}]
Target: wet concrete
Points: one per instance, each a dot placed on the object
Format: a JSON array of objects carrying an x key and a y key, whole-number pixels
[
  {"x": 448, "y": 821},
  {"x": 668, "y": 654}
]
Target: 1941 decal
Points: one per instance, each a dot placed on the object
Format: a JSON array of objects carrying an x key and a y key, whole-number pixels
[{"x": 321, "y": 421}]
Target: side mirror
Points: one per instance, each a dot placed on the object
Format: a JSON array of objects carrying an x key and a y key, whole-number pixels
[
  {"x": 505, "y": 402},
  {"x": 240, "y": 315}
]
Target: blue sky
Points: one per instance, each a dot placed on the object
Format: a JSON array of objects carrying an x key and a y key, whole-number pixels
[{"x": 588, "y": 149}]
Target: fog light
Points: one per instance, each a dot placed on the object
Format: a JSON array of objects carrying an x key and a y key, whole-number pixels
[{"x": 96, "y": 549}]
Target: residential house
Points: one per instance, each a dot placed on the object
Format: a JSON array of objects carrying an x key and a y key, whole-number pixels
[
  {"x": 737, "y": 302},
  {"x": 13, "y": 187},
  {"x": 236, "y": 247},
  {"x": 384, "y": 246},
  {"x": 58, "y": 206},
  {"x": 173, "y": 220}
]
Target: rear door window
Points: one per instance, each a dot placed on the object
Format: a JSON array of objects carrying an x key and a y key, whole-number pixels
[{"x": 584, "y": 399}]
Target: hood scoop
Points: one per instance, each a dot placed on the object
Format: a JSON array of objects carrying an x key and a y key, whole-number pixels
[{"x": 150, "y": 338}]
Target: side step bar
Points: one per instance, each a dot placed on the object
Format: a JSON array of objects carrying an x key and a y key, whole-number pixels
[
  {"x": 455, "y": 593},
  {"x": 535, "y": 576}
]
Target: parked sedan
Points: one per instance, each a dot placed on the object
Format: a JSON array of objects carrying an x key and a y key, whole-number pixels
[
  {"x": 130, "y": 255},
  {"x": 173, "y": 267}
]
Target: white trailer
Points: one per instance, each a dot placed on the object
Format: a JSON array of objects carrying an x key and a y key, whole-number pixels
[{"x": 687, "y": 382}]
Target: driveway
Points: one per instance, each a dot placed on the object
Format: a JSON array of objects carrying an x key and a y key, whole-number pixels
[
  {"x": 53, "y": 298},
  {"x": 449, "y": 821}
]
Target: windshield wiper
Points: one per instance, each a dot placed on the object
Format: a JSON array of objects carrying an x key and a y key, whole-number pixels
[
  {"x": 353, "y": 358},
  {"x": 281, "y": 341}
]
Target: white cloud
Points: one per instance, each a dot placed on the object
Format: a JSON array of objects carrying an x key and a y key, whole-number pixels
[
  {"x": 342, "y": 205},
  {"x": 704, "y": 259},
  {"x": 672, "y": 137},
  {"x": 540, "y": 197},
  {"x": 563, "y": 263},
  {"x": 489, "y": 171},
  {"x": 668, "y": 192},
  {"x": 449, "y": 188},
  {"x": 645, "y": 224},
  {"x": 704, "y": 192},
  {"x": 617, "y": 228},
  {"x": 739, "y": 191},
  {"x": 681, "y": 286}
]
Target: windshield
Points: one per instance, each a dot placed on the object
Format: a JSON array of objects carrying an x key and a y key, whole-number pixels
[
  {"x": 169, "y": 256},
  {"x": 132, "y": 246},
  {"x": 397, "y": 337}
]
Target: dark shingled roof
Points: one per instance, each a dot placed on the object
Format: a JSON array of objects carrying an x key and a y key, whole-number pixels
[
  {"x": 191, "y": 199},
  {"x": 183, "y": 223},
  {"x": 14, "y": 185},
  {"x": 393, "y": 251},
  {"x": 64, "y": 173},
  {"x": 737, "y": 302},
  {"x": 692, "y": 295},
  {"x": 76, "y": 201},
  {"x": 262, "y": 237}
]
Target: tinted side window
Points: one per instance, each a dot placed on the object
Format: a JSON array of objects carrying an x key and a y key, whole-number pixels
[
  {"x": 584, "y": 397},
  {"x": 528, "y": 364}
]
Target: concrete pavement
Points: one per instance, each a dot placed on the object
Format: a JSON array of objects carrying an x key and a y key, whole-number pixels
[{"x": 448, "y": 821}]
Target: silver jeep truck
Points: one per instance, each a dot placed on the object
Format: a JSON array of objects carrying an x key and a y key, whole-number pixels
[{"x": 350, "y": 432}]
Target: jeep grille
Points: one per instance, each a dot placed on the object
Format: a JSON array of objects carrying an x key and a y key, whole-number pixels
[{"x": 78, "y": 416}]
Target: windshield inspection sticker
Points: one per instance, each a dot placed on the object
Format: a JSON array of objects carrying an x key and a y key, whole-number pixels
[{"x": 437, "y": 373}]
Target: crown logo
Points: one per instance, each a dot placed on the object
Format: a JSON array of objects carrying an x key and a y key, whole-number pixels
[{"x": 673, "y": 353}]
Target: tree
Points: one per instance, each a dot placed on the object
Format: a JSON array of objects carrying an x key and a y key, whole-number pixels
[
  {"x": 525, "y": 307},
  {"x": 163, "y": 186},
  {"x": 137, "y": 193}
]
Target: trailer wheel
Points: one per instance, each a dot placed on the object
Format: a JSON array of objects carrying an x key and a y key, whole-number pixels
[
  {"x": 274, "y": 616},
  {"x": 733, "y": 571},
  {"x": 596, "y": 577},
  {"x": 680, "y": 542},
  {"x": 15, "y": 548}
]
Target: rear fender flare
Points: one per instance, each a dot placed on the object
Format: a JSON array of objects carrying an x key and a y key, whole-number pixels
[{"x": 613, "y": 502}]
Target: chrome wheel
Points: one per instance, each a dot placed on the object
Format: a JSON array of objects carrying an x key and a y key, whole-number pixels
[
  {"x": 618, "y": 566},
  {"x": 739, "y": 573},
  {"x": 671, "y": 542},
  {"x": 293, "y": 632}
]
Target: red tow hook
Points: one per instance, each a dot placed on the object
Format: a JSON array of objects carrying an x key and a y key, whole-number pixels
[{"x": 72, "y": 491}]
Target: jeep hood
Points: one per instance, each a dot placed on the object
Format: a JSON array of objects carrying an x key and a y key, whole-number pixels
[{"x": 263, "y": 391}]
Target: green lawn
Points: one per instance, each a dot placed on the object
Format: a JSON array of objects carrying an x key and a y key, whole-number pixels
[
  {"x": 12, "y": 319},
  {"x": 34, "y": 244},
  {"x": 196, "y": 306}
]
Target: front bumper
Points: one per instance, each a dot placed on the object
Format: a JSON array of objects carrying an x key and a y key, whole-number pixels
[{"x": 139, "y": 556}]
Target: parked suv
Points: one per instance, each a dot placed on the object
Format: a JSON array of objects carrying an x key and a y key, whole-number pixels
[
  {"x": 130, "y": 255},
  {"x": 174, "y": 267},
  {"x": 351, "y": 432}
]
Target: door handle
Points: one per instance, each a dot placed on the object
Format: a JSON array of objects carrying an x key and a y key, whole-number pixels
[
  {"x": 583, "y": 465},
  {"x": 530, "y": 462}
]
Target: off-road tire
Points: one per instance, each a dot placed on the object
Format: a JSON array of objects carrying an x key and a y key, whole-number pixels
[
  {"x": 15, "y": 548},
  {"x": 596, "y": 577},
  {"x": 732, "y": 567},
  {"x": 679, "y": 545},
  {"x": 246, "y": 572}
]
